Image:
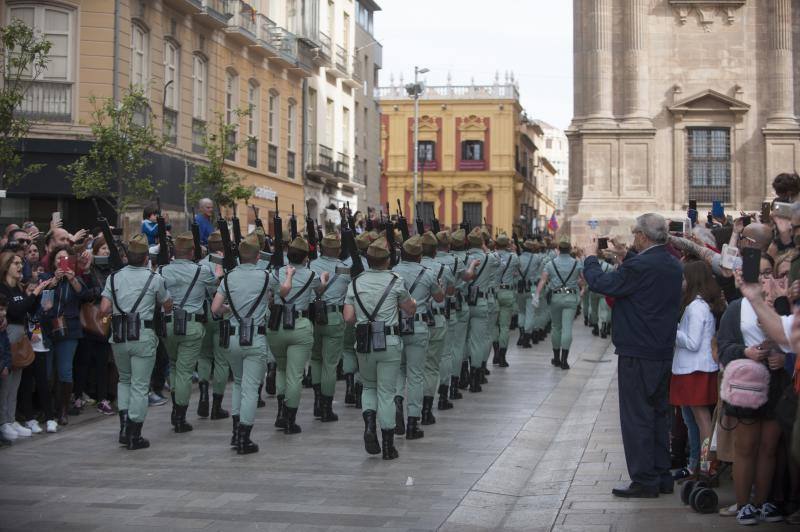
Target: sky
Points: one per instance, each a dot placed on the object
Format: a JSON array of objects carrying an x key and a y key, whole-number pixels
[{"x": 476, "y": 38}]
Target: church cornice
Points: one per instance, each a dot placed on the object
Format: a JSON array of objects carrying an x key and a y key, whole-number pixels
[{"x": 706, "y": 10}]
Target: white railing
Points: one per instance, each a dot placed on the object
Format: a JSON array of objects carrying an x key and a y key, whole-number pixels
[
  {"x": 47, "y": 101},
  {"x": 466, "y": 92}
]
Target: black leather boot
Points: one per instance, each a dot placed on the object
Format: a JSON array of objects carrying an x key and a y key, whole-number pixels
[
  {"x": 202, "y": 404},
  {"x": 514, "y": 322},
  {"x": 181, "y": 425},
  {"x": 340, "y": 370},
  {"x": 317, "y": 400},
  {"x": 173, "y": 417},
  {"x": 474, "y": 380},
  {"x": 503, "y": 361},
  {"x": 444, "y": 392},
  {"x": 413, "y": 431},
  {"x": 280, "y": 421},
  {"x": 484, "y": 371},
  {"x": 133, "y": 431},
  {"x": 123, "y": 422},
  {"x": 454, "y": 391},
  {"x": 389, "y": 451},
  {"x": 564, "y": 355},
  {"x": 496, "y": 355},
  {"x": 520, "y": 339},
  {"x": 585, "y": 319},
  {"x": 370, "y": 433},
  {"x": 358, "y": 388},
  {"x": 291, "y": 426},
  {"x": 260, "y": 403},
  {"x": 525, "y": 340},
  {"x": 604, "y": 331},
  {"x": 328, "y": 415},
  {"x": 399, "y": 415},
  {"x": 244, "y": 445},
  {"x": 595, "y": 330},
  {"x": 463, "y": 380},
  {"x": 217, "y": 412},
  {"x": 272, "y": 369},
  {"x": 349, "y": 393},
  {"x": 537, "y": 335},
  {"x": 235, "y": 435},
  {"x": 307, "y": 382},
  {"x": 427, "y": 410},
  {"x": 556, "y": 360}
]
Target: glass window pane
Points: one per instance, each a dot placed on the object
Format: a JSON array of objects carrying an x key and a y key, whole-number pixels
[
  {"x": 56, "y": 68},
  {"x": 55, "y": 20},
  {"x": 25, "y": 14}
]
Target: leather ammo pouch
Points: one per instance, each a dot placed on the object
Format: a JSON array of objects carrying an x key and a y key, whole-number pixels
[
  {"x": 133, "y": 326},
  {"x": 472, "y": 290},
  {"x": 247, "y": 326},
  {"x": 378, "y": 336},
  {"x": 524, "y": 284},
  {"x": 128, "y": 325},
  {"x": 406, "y": 324},
  {"x": 275, "y": 317},
  {"x": 246, "y": 330},
  {"x": 180, "y": 316},
  {"x": 521, "y": 286},
  {"x": 225, "y": 334},
  {"x": 288, "y": 306},
  {"x": 119, "y": 328},
  {"x": 371, "y": 335},
  {"x": 318, "y": 308},
  {"x": 363, "y": 337}
]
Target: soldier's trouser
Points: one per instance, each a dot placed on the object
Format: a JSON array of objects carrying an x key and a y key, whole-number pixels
[
  {"x": 541, "y": 314},
  {"x": 585, "y": 304},
  {"x": 433, "y": 357},
  {"x": 183, "y": 352},
  {"x": 210, "y": 351},
  {"x": 478, "y": 339},
  {"x": 562, "y": 311},
  {"x": 379, "y": 373},
  {"x": 326, "y": 352},
  {"x": 594, "y": 304},
  {"x": 530, "y": 314},
  {"x": 493, "y": 311},
  {"x": 292, "y": 349},
  {"x": 248, "y": 365},
  {"x": 412, "y": 368},
  {"x": 521, "y": 308},
  {"x": 350, "y": 362},
  {"x": 447, "y": 363},
  {"x": 135, "y": 361},
  {"x": 506, "y": 302},
  {"x": 603, "y": 312},
  {"x": 458, "y": 329}
]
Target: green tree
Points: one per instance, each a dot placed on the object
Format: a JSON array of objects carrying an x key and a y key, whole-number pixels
[
  {"x": 115, "y": 168},
  {"x": 24, "y": 56},
  {"x": 214, "y": 180}
]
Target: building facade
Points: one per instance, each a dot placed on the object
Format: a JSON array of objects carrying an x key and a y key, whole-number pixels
[
  {"x": 680, "y": 100},
  {"x": 474, "y": 165},
  {"x": 556, "y": 150}
]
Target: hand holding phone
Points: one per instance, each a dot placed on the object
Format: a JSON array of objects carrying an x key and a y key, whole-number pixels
[
  {"x": 751, "y": 262},
  {"x": 63, "y": 264},
  {"x": 602, "y": 243}
]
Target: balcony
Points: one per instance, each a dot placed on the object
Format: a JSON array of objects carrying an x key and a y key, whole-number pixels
[
  {"x": 324, "y": 54},
  {"x": 242, "y": 23},
  {"x": 343, "y": 166},
  {"x": 212, "y": 13},
  {"x": 278, "y": 43},
  {"x": 170, "y": 126},
  {"x": 320, "y": 163},
  {"x": 340, "y": 62},
  {"x": 354, "y": 77},
  {"x": 47, "y": 101},
  {"x": 191, "y": 7}
]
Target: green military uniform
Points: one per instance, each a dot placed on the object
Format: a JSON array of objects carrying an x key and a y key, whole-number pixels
[
  {"x": 506, "y": 280},
  {"x": 461, "y": 317},
  {"x": 541, "y": 314},
  {"x": 493, "y": 310},
  {"x": 422, "y": 285},
  {"x": 189, "y": 284},
  {"x": 450, "y": 364},
  {"x": 527, "y": 266},
  {"x": 379, "y": 369},
  {"x": 135, "y": 358},
  {"x": 478, "y": 338},
  {"x": 563, "y": 274},
  {"x": 327, "y": 349},
  {"x": 292, "y": 347},
  {"x": 211, "y": 354}
]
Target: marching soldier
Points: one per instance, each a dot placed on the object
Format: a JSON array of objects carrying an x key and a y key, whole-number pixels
[
  {"x": 421, "y": 284},
  {"x": 189, "y": 284},
  {"x": 329, "y": 324},
  {"x": 562, "y": 276},
  {"x": 458, "y": 244},
  {"x": 478, "y": 339},
  {"x": 293, "y": 289},
  {"x": 353, "y": 385},
  {"x": 450, "y": 366},
  {"x": 506, "y": 281},
  {"x": 526, "y": 260},
  {"x": 132, "y": 296},
  {"x": 541, "y": 313},
  {"x": 372, "y": 302},
  {"x": 211, "y": 354},
  {"x": 491, "y": 299},
  {"x": 242, "y": 294}
]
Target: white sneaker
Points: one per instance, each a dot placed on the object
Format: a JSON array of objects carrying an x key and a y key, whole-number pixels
[
  {"x": 21, "y": 431},
  {"x": 34, "y": 427},
  {"x": 8, "y": 432},
  {"x": 729, "y": 511},
  {"x": 52, "y": 426}
]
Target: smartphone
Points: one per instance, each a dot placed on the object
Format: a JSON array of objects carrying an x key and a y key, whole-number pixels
[
  {"x": 766, "y": 208},
  {"x": 717, "y": 210},
  {"x": 676, "y": 227},
  {"x": 751, "y": 262},
  {"x": 710, "y": 220},
  {"x": 64, "y": 263},
  {"x": 602, "y": 243},
  {"x": 747, "y": 220},
  {"x": 100, "y": 260},
  {"x": 784, "y": 210},
  {"x": 48, "y": 296},
  {"x": 729, "y": 254},
  {"x": 56, "y": 217}
]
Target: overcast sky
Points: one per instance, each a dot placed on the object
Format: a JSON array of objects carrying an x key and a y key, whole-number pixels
[{"x": 475, "y": 38}]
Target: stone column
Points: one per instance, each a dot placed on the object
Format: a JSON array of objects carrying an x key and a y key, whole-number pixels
[
  {"x": 599, "y": 62},
  {"x": 636, "y": 106},
  {"x": 781, "y": 78}
]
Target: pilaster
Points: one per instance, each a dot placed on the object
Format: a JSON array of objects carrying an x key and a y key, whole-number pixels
[
  {"x": 599, "y": 65},
  {"x": 636, "y": 65}
]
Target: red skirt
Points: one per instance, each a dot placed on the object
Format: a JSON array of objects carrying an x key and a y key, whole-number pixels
[{"x": 695, "y": 389}]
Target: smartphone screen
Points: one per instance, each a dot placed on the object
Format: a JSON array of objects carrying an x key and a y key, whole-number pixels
[
  {"x": 717, "y": 209},
  {"x": 47, "y": 297},
  {"x": 602, "y": 243},
  {"x": 64, "y": 263},
  {"x": 56, "y": 217},
  {"x": 751, "y": 259},
  {"x": 676, "y": 227},
  {"x": 766, "y": 207}
]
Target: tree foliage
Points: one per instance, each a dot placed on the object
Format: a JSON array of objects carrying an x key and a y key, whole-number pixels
[{"x": 24, "y": 57}]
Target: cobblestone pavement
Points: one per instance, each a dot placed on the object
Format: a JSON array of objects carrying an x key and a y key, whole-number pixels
[{"x": 538, "y": 449}]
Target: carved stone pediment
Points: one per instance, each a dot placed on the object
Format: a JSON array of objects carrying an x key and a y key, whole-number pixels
[
  {"x": 472, "y": 123},
  {"x": 426, "y": 123},
  {"x": 709, "y": 100},
  {"x": 471, "y": 186},
  {"x": 707, "y": 11}
]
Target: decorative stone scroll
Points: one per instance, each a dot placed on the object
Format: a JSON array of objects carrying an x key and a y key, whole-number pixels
[{"x": 707, "y": 10}]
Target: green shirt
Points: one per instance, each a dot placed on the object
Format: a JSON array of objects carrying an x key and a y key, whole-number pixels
[
  {"x": 508, "y": 271},
  {"x": 564, "y": 265},
  {"x": 128, "y": 284},
  {"x": 299, "y": 280},
  {"x": 460, "y": 256},
  {"x": 205, "y": 262},
  {"x": 443, "y": 276},
  {"x": 371, "y": 284},
  {"x": 178, "y": 277},
  {"x": 426, "y": 287},
  {"x": 244, "y": 285},
  {"x": 486, "y": 268},
  {"x": 527, "y": 266},
  {"x": 337, "y": 282}
]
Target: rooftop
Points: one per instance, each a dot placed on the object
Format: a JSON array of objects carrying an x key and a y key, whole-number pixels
[{"x": 505, "y": 90}]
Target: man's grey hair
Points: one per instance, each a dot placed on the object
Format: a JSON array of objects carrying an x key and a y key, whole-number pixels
[
  {"x": 653, "y": 226},
  {"x": 204, "y": 201}
]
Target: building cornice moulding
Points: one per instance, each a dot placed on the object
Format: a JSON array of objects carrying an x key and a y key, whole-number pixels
[{"x": 706, "y": 10}]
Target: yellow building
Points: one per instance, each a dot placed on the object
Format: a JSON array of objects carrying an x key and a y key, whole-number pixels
[{"x": 472, "y": 165}]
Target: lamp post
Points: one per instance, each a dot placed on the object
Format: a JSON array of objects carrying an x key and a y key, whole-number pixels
[{"x": 415, "y": 91}]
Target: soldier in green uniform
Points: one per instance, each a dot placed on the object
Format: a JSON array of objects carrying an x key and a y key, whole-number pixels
[
  {"x": 211, "y": 354},
  {"x": 541, "y": 313},
  {"x": 458, "y": 244},
  {"x": 478, "y": 337},
  {"x": 562, "y": 276},
  {"x": 526, "y": 265},
  {"x": 329, "y": 328},
  {"x": 493, "y": 306},
  {"x": 132, "y": 295},
  {"x": 188, "y": 283},
  {"x": 422, "y": 285},
  {"x": 374, "y": 297},
  {"x": 293, "y": 289},
  {"x": 242, "y": 295},
  {"x": 353, "y": 385},
  {"x": 506, "y": 280},
  {"x": 450, "y": 365}
]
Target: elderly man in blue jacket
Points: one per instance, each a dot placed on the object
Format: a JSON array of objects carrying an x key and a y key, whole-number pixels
[{"x": 647, "y": 295}]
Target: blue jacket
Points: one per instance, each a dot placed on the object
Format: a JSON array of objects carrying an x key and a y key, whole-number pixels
[
  {"x": 206, "y": 228},
  {"x": 647, "y": 300}
]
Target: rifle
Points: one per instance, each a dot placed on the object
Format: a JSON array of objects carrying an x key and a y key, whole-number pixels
[
  {"x": 465, "y": 226},
  {"x": 114, "y": 258},
  {"x": 311, "y": 234},
  {"x": 198, "y": 251},
  {"x": 402, "y": 223},
  {"x": 237, "y": 232},
  {"x": 516, "y": 243},
  {"x": 228, "y": 258},
  {"x": 390, "y": 242},
  {"x": 276, "y": 260},
  {"x": 351, "y": 249},
  {"x": 435, "y": 224},
  {"x": 369, "y": 224},
  {"x": 163, "y": 244},
  {"x": 293, "y": 225},
  {"x": 419, "y": 222}
]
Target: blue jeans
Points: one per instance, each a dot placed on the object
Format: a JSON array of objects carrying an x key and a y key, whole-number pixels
[
  {"x": 64, "y": 352},
  {"x": 694, "y": 437}
]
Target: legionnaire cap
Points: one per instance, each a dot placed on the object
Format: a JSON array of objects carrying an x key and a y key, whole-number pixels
[
  {"x": 564, "y": 243},
  {"x": 332, "y": 240},
  {"x": 413, "y": 246},
  {"x": 530, "y": 245},
  {"x": 365, "y": 239},
  {"x": 215, "y": 237},
  {"x": 458, "y": 237},
  {"x": 249, "y": 243},
  {"x": 379, "y": 249},
  {"x": 138, "y": 244},
  {"x": 429, "y": 239},
  {"x": 475, "y": 237},
  {"x": 184, "y": 241},
  {"x": 443, "y": 237},
  {"x": 502, "y": 240},
  {"x": 299, "y": 243}
]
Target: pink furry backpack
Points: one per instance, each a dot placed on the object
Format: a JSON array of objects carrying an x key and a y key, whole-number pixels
[{"x": 745, "y": 387}]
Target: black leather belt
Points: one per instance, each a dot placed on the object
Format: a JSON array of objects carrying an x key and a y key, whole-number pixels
[
  {"x": 565, "y": 291},
  {"x": 506, "y": 287},
  {"x": 301, "y": 314},
  {"x": 262, "y": 329},
  {"x": 335, "y": 308},
  {"x": 199, "y": 318},
  {"x": 148, "y": 324}
]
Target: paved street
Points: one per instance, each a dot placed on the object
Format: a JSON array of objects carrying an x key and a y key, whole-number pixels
[{"x": 539, "y": 449}]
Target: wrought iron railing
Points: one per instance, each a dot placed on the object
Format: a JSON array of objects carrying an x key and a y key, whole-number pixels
[
  {"x": 486, "y": 92},
  {"x": 272, "y": 159},
  {"x": 355, "y": 73},
  {"x": 47, "y": 101},
  {"x": 341, "y": 59},
  {"x": 325, "y": 42},
  {"x": 325, "y": 160}
]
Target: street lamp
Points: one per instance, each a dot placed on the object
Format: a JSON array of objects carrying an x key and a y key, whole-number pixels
[{"x": 415, "y": 90}]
